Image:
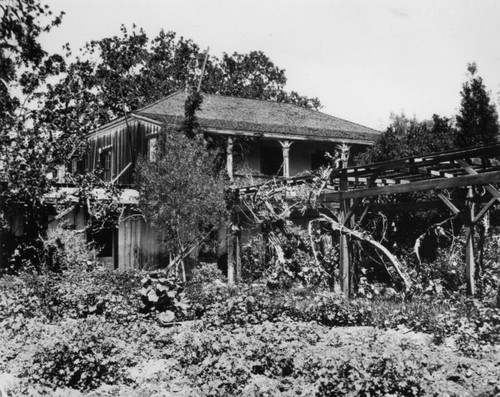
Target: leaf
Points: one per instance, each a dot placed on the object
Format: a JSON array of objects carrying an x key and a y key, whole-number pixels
[
  {"x": 152, "y": 296},
  {"x": 166, "y": 317}
]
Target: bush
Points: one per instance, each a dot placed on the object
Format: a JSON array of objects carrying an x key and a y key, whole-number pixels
[
  {"x": 82, "y": 357},
  {"x": 65, "y": 249},
  {"x": 253, "y": 259},
  {"x": 206, "y": 288},
  {"x": 258, "y": 304},
  {"x": 164, "y": 296},
  {"x": 71, "y": 294}
]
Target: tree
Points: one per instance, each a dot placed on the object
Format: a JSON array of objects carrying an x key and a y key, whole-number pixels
[
  {"x": 119, "y": 74},
  {"x": 24, "y": 65},
  {"x": 29, "y": 154},
  {"x": 181, "y": 193},
  {"x": 477, "y": 120},
  {"x": 409, "y": 137}
]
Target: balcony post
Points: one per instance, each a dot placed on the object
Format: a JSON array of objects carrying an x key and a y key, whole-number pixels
[
  {"x": 229, "y": 160},
  {"x": 285, "y": 145}
]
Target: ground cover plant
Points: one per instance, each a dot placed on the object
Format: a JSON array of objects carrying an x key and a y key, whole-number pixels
[{"x": 246, "y": 340}]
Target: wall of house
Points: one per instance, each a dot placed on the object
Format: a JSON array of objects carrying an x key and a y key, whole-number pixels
[
  {"x": 138, "y": 245},
  {"x": 126, "y": 143}
]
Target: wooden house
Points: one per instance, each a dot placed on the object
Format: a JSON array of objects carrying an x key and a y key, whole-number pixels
[{"x": 264, "y": 139}]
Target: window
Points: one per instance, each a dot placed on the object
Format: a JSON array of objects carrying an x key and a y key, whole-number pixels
[
  {"x": 105, "y": 164},
  {"x": 271, "y": 160},
  {"x": 152, "y": 142}
]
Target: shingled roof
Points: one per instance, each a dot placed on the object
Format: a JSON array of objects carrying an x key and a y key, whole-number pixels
[{"x": 222, "y": 113}]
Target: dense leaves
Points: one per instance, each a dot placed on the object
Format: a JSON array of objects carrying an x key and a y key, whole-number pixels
[
  {"x": 118, "y": 74},
  {"x": 477, "y": 120},
  {"x": 181, "y": 194},
  {"x": 408, "y": 137},
  {"x": 247, "y": 341},
  {"x": 24, "y": 64}
]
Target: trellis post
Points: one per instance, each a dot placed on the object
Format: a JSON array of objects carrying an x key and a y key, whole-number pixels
[
  {"x": 469, "y": 246},
  {"x": 345, "y": 277}
]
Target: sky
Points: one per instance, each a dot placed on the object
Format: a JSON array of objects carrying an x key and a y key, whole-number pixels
[{"x": 364, "y": 59}]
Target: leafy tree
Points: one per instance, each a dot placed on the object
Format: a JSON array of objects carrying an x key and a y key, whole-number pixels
[
  {"x": 24, "y": 65},
  {"x": 181, "y": 193},
  {"x": 477, "y": 120},
  {"x": 29, "y": 154},
  {"x": 118, "y": 74},
  {"x": 408, "y": 137}
]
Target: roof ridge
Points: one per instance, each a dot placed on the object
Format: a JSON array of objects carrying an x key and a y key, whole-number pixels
[{"x": 173, "y": 94}]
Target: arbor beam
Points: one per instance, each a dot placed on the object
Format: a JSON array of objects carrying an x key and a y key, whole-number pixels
[
  {"x": 471, "y": 171},
  {"x": 431, "y": 184}
]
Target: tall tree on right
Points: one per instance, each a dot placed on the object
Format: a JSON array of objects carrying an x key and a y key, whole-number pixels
[{"x": 477, "y": 120}]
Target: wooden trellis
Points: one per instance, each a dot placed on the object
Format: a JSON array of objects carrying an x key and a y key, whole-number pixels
[
  {"x": 468, "y": 168},
  {"x": 349, "y": 188}
]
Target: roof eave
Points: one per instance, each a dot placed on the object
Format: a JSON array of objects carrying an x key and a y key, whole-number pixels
[{"x": 293, "y": 137}]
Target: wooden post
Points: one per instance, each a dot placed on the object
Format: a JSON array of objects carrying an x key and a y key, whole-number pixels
[
  {"x": 469, "y": 248},
  {"x": 237, "y": 254},
  {"x": 230, "y": 257},
  {"x": 229, "y": 160},
  {"x": 343, "y": 243},
  {"x": 285, "y": 145}
]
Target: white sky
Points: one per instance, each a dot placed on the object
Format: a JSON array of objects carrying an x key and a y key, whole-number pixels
[{"x": 362, "y": 58}]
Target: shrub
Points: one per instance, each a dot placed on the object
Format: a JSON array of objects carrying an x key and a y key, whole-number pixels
[
  {"x": 165, "y": 296},
  {"x": 71, "y": 294},
  {"x": 255, "y": 305},
  {"x": 65, "y": 248},
  {"x": 478, "y": 331},
  {"x": 81, "y": 357},
  {"x": 253, "y": 259},
  {"x": 206, "y": 288}
]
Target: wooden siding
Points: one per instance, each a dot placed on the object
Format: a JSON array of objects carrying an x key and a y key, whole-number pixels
[
  {"x": 126, "y": 143},
  {"x": 138, "y": 246}
]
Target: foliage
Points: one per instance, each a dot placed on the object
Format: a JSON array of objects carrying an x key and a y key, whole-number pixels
[
  {"x": 253, "y": 259},
  {"x": 298, "y": 264},
  {"x": 119, "y": 74},
  {"x": 477, "y": 120},
  {"x": 30, "y": 149},
  {"x": 256, "y": 341},
  {"x": 165, "y": 296},
  {"x": 206, "y": 273},
  {"x": 81, "y": 358},
  {"x": 206, "y": 288},
  {"x": 285, "y": 253},
  {"x": 65, "y": 249},
  {"x": 489, "y": 271},
  {"x": 259, "y": 304},
  {"x": 180, "y": 194},
  {"x": 404, "y": 138},
  {"x": 479, "y": 330},
  {"x": 71, "y": 294},
  {"x": 408, "y": 137},
  {"x": 24, "y": 63}
]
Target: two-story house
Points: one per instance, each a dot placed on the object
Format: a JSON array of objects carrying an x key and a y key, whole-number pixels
[{"x": 263, "y": 138}]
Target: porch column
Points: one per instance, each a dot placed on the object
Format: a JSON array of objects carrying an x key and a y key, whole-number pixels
[
  {"x": 285, "y": 145},
  {"x": 229, "y": 161}
]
